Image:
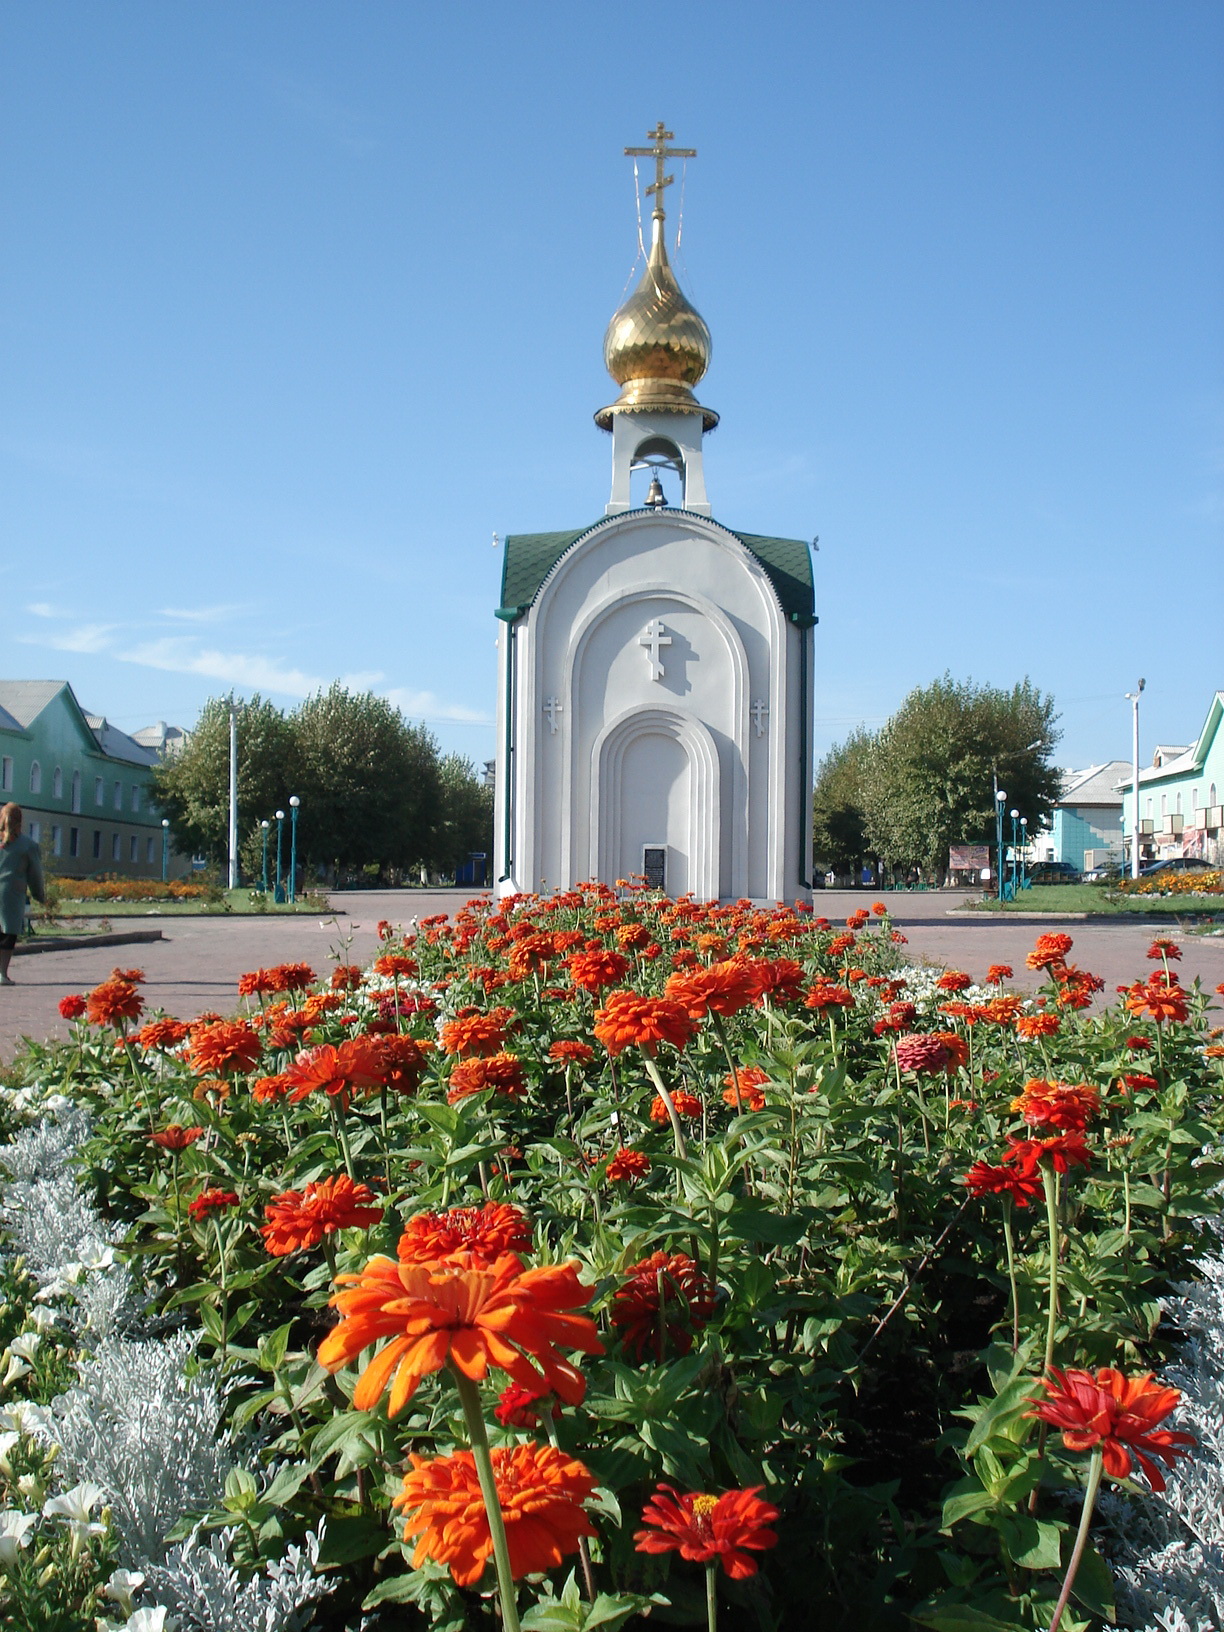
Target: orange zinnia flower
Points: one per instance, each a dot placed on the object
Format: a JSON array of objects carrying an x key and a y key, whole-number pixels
[
  {"x": 627, "y": 1164},
  {"x": 472, "y": 1235},
  {"x": 161, "y": 1034},
  {"x": 777, "y": 980},
  {"x": 257, "y": 983},
  {"x": 704, "y": 1528},
  {"x": 394, "y": 965},
  {"x": 471, "y": 1317},
  {"x": 176, "y": 1137},
  {"x": 473, "y": 1033},
  {"x": 404, "y": 1060},
  {"x": 826, "y": 994},
  {"x": 209, "y": 1202},
  {"x": 686, "y": 1105},
  {"x": 1049, "y": 951},
  {"x": 749, "y": 1080},
  {"x": 955, "y": 980},
  {"x": 998, "y": 973},
  {"x": 666, "y": 1299},
  {"x": 73, "y": 1006},
  {"x": 292, "y": 977},
  {"x": 1161, "y": 1000},
  {"x": 503, "y": 1072},
  {"x": 724, "y": 988},
  {"x": 1057, "y": 1105},
  {"x": 112, "y": 1003},
  {"x": 356, "y": 1063},
  {"x": 298, "y": 1219},
  {"x": 229, "y": 1045},
  {"x": 566, "y": 1052},
  {"x": 345, "y": 977},
  {"x": 540, "y": 1491},
  {"x": 627, "y": 1017},
  {"x": 1037, "y": 1025},
  {"x": 629, "y": 937},
  {"x": 595, "y": 970},
  {"x": 1120, "y": 1414}
]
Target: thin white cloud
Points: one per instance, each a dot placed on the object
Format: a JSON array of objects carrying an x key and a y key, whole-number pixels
[
  {"x": 177, "y": 655},
  {"x": 44, "y": 609},
  {"x": 417, "y": 705},
  {"x": 88, "y": 637},
  {"x": 201, "y": 614}
]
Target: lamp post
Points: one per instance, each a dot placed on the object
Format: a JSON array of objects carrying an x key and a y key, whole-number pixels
[
  {"x": 1133, "y": 698},
  {"x": 1023, "y": 851},
  {"x": 233, "y": 794},
  {"x": 293, "y": 810},
  {"x": 1015, "y": 816},
  {"x": 165, "y": 848},
  {"x": 280, "y": 827},
  {"x": 1000, "y": 801},
  {"x": 264, "y": 825}
]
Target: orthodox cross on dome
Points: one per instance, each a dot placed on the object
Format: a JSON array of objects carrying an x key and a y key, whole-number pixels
[
  {"x": 660, "y": 153},
  {"x": 760, "y": 713},
  {"x": 552, "y": 708},
  {"x": 654, "y": 636}
]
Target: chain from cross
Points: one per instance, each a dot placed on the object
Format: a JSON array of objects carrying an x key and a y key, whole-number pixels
[
  {"x": 760, "y": 713},
  {"x": 552, "y": 707},
  {"x": 654, "y": 636},
  {"x": 660, "y": 153}
]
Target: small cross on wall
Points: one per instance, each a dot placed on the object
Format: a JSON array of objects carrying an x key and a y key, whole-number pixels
[
  {"x": 655, "y": 636},
  {"x": 552, "y": 707},
  {"x": 760, "y": 713}
]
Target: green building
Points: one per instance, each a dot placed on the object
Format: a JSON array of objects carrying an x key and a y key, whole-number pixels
[
  {"x": 1180, "y": 797},
  {"x": 82, "y": 784}
]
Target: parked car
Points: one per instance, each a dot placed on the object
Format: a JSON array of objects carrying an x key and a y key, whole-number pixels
[
  {"x": 1055, "y": 872},
  {"x": 1176, "y": 864},
  {"x": 1109, "y": 874}
]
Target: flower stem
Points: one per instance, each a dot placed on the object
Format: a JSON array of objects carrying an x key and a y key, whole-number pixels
[
  {"x": 1011, "y": 1271},
  {"x": 652, "y": 1071},
  {"x": 1081, "y": 1537},
  {"x": 712, "y": 1596},
  {"x": 469, "y": 1396},
  {"x": 1050, "y": 1181}
]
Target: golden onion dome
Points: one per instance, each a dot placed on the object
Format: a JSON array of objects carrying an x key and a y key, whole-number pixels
[{"x": 657, "y": 346}]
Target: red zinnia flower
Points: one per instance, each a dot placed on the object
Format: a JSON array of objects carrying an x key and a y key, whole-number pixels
[
  {"x": 270, "y": 1088},
  {"x": 722, "y": 988},
  {"x": 257, "y": 983},
  {"x": 163, "y": 1034},
  {"x": 566, "y": 1052},
  {"x": 394, "y": 965},
  {"x": 73, "y": 1006},
  {"x": 1161, "y": 1000},
  {"x": 229, "y": 1045},
  {"x": 292, "y": 977},
  {"x": 998, "y": 973},
  {"x": 686, "y": 1105},
  {"x": 704, "y": 1528},
  {"x": 628, "y": 1164},
  {"x": 473, "y": 1033},
  {"x": 1021, "y": 1180},
  {"x": 112, "y": 1003},
  {"x": 955, "y": 980},
  {"x": 777, "y": 980},
  {"x": 345, "y": 977},
  {"x": 749, "y": 1080},
  {"x": 209, "y": 1202},
  {"x": 404, "y": 1060},
  {"x": 516, "y": 1406},
  {"x": 477, "y": 1235},
  {"x": 471, "y": 1317},
  {"x": 1058, "y": 1104},
  {"x": 298, "y": 1219},
  {"x": 176, "y": 1137},
  {"x": 503, "y": 1072},
  {"x": 1120, "y": 1414},
  {"x": 627, "y": 1017},
  {"x": 666, "y": 1297},
  {"x": 540, "y": 1492},
  {"x": 356, "y": 1063},
  {"x": 1066, "y": 1151},
  {"x": 826, "y": 994},
  {"x": 1162, "y": 948},
  {"x": 921, "y": 1055}
]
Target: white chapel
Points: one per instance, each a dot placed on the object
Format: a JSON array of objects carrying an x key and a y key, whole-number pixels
[{"x": 655, "y": 690}]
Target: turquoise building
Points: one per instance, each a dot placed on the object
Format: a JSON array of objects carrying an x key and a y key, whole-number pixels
[
  {"x": 83, "y": 785},
  {"x": 1180, "y": 797},
  {"x": 1087, "y": 820}
]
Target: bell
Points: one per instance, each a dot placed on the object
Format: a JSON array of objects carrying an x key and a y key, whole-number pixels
[{"x": 655, "y": 496}]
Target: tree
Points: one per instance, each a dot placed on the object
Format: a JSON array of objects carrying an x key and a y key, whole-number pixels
[
  {"x": 839, "y": 821},
  {"x": 192, "y": 788},
  {"x": 370, "y": 781},
  {"x": 465, "y": 814},
  {"x": 928, "y": 781}
]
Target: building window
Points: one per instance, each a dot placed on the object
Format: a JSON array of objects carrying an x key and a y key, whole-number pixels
[
  {"x": 149, "y": 852},
  {"x": 76, "y": 793},
  {"x": 57, "y": 839},
  {"x": 6, "y": 774},
  {"x": 1149, "y": 805},
  {"x": 35, "y": 777},
  {"x": 97, "y": 844},
  {"x": 135, "y": 798},
  {"x": 1211, "y": 797},
  {"x": 1193, "y": 798},
  {"x": 118, "y": 795},
  {"x": 99, "y": 791},
  {"x": 57, "y": 783},
  {"x": 134, "y": 849},
  {"x": 1177, "y": 806},
  {"x": 74, "y": 841},
  {"x": 1164, "y": 804},
  {"x": 36, "y": 832},
  {"x": 116, "y": 852}
]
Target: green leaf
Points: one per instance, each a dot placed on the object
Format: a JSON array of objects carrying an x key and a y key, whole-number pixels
[
  {"x": 274, "y": 1347},
  {"x": 286, "y": 1485},
  {"x": 964, "y": 1618},
  {"x": 965, "y": 1506},
  {"x": 1032, "y": 1543},
  {"x": 347, "y": 1539}
]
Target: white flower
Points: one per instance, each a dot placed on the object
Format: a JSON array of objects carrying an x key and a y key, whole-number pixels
[
  {"x": 77, "y": 1505},
  {"x": 8, "y": 1438},
  {"x": 43, "y": 1320},
  {"x": 158, "y": 1619},
  {"x": 14, "y": 1533},
  {"x": 123, "y": 1587}
]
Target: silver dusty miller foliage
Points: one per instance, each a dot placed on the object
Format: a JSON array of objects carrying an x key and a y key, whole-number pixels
[
  {"x": 200, "y": 1585},
  {"x": 1167, "y": 1551},
  {"x": 138, "y": 1424}
]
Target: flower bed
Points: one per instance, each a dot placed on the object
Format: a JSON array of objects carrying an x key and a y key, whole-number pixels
[
  {"x": 1177, "y": 881},
  {"x": 129, "y": 889},
  {"x": 601, "y": 1258}
]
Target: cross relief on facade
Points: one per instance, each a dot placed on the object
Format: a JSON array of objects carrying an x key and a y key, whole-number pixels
[
  {"x": 552, "y": 707},
  {"x": 655, "y": 636},
  {"x": 760, "y": 713}
]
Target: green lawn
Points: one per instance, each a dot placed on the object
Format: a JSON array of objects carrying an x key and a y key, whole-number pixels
[
  {"x": 1100, "y": 900},
  {"x": 238, "y": 902}
]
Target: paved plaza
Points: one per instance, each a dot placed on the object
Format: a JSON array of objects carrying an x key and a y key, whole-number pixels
[{"x": 197, "y": 965}]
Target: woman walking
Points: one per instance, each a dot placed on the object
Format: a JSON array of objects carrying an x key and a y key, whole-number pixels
[{"x": 20, "y": 870}]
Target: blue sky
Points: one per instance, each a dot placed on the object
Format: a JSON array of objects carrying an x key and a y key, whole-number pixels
[{"x": 300, "y": 303}]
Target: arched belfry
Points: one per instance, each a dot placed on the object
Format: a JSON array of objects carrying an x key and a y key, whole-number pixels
[{"x": 655, "y": 694}]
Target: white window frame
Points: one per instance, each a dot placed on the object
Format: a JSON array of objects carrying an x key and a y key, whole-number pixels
[
  {"x": 118, "y": 795},
  {"x": 57, "y": 782},
  {"x": 35, "y": 776},
  {"x": 99, "y": 790},
  {"x": 6, "y": 774}
]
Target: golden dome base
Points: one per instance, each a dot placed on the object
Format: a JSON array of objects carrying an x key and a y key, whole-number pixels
[{"x": 652, "y": 396}]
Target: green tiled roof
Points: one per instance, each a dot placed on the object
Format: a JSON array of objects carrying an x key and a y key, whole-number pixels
[{"x": 530, "y": 557}]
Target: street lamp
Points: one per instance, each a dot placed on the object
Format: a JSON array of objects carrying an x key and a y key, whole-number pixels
[
  {"x": 1133, "y": 698},
  {"x": 280, "y": 824},
  {"x": 165, "y": 848},
  {"x": 1015, "y": 816},
  {"x": 293, "y": 810},
  {"x": 264, "y": 825},
  {"x": 1023, "y": 850},
  {"x": 1000, "y": 801}
]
